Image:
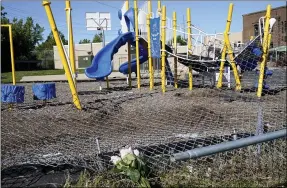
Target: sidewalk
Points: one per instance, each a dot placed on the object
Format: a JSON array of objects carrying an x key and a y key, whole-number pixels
[{"x": 81, "y": 77}]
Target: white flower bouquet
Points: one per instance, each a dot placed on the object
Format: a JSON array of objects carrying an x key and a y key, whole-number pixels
[{"x": 130, "y": 164}]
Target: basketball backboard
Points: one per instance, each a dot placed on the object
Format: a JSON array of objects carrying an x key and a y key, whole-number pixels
[{"x": 98, "y": 21}]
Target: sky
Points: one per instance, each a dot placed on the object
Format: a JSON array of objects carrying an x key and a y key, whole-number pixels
[{"x": 210, "y": 16}]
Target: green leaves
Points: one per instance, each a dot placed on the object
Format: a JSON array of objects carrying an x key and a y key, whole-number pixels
[
  {"x": 45, "y": 49},
  {"x": 98, "y": 38},
  {"x": 133, "y": 167},
  {"x": 144, "y": 182},
  {"x": 50, "y": 41},
  {"x": 129, "y": 159},
  {"x": 84, "y": 41},
  {"x": 26, "y": 35},
  {"x": 133, "y": 174}
]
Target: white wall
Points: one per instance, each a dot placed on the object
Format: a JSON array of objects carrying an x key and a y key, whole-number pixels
[{"x": 83, "y": 49}]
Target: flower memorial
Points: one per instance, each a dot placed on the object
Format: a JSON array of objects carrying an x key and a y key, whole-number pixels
[{"x": 130, "y": 164}]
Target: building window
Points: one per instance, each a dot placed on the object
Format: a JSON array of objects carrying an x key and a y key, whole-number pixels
[
  {"x": 285, "y": 39},
  {"x": 271, "y": 45},
  {"x": 285, "y": 26}
]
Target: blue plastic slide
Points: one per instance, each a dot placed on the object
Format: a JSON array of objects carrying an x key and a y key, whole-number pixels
[
  {"x": 143, "y": 57},
  {"x": 102, "y": 63}
]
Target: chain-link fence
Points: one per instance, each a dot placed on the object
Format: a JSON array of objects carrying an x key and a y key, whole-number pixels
[{"x": 50, "y": 142}]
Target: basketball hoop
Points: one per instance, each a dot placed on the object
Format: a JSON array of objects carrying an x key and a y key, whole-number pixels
[{"x": 98, "y": 21}]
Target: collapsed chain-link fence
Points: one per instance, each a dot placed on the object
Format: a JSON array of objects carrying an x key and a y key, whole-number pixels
[{"x": 45, "y": 142}]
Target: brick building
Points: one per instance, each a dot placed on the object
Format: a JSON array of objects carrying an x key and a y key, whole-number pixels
[{"x": 279, "y": 35}]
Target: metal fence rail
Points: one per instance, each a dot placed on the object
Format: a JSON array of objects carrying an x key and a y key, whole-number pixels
[{"x": 227, "y": 146}]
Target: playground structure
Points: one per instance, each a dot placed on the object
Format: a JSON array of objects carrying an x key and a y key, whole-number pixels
[
  {"x": 197, "y": 58},
  {"x": 42, "y": 140},
  {"x": 199, "y": 61},
  {"x": 205, "y": 53}
]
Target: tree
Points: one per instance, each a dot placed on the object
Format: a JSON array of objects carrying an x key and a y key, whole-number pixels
[
  {"x": 26, "y": 35},
  {"x": 180, "y": 40},
  {"x": 3, "y": 14},
  {"x": 85, "y": 41},
  {"x": 47, "y": 45},
  {"x": 4, "y": 32},
  {"x": 98, "y": 38},
  {"x": 50, "y": 41}
]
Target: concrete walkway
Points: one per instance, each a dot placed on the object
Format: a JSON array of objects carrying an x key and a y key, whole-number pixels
[{"x": 81, "y": 77}]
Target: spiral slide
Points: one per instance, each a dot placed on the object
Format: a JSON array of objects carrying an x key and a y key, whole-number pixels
[
  {"x": 143, "y": 58},
  {"x": 101, "y": 66},
  {"x": 102, "y": 63}
]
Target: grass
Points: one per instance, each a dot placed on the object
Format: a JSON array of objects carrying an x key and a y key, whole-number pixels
[
  {"x": 239, "y": 168},
  {"x": 7, "y": 76}
]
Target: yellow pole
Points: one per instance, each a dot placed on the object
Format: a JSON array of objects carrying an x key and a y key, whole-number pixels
[
  {"x": 189, "y": 46},
  {"x": 75, "y": 96},
  {"x": 232, "y": 62},
  {"x": 227, "y": 47},
  {"x": 150, "y": 65},
  {"x": 265, "y": 51},
  {"x": 129, "y": 55},
  {"x": 175, "y": 49},
  {"x": 163, "y": 19},
  {"x": 221, "y": 68},
  {"x": 159, "y": 6},
  {"x": 71, "y": 40},
  {"x": 137, "y": 44},
  {"x": 223, "y": 54},
  {"x": 11, "y": 52},
  {"x": 12, "y": 55}
]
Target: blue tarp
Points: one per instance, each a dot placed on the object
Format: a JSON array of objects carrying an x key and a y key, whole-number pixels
[
  {"x": 155, "y": 37},
  {"x": 44, "y": 91},
  {"x": 12, "y": 93}
]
